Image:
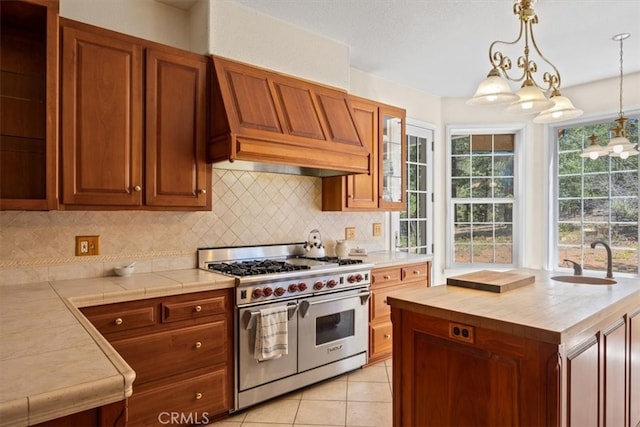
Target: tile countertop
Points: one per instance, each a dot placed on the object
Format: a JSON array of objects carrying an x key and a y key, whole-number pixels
[
  {"x": 53, "y": 362},
  {"x": 545, "y": 310},
  {"x": 389, "y": 259}
]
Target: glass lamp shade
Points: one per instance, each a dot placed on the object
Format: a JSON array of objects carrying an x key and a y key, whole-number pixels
[
  {"x": 618, "y": 144},
  {"x": 594, "y": 151},
  {"x": 531, "y": 100},
  {"x": 562, "y": 109},
  {"x": 493, "y": 90},
  {"x": 626, "y": 151}
]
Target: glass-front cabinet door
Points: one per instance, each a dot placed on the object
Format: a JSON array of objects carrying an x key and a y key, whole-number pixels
[{"x": 392, "y": 158}]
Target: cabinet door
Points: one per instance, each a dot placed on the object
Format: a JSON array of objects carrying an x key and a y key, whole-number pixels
[
  {"x": 634, "y": 369},
  {"x": 614, "y": 355},
  {"x": 583, "y": 386},
  {"x": 176, "y": 168},
  {"x": 29, "y": 104},
  {"x": 391, "y": 161},
  {"x": 101, "y": 118},
  {"x": 362, "y": 189}
]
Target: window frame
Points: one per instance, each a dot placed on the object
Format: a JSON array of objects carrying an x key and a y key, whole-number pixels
[
  {"x": 553, "y": 192},
  {"x": 394, "y": 217},
  {"x": 519, "y": 172}
]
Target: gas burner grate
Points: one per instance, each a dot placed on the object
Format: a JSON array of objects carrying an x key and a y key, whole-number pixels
[
  {"x": 336, "y": 260},
  {"x": 257, "y": 267}
]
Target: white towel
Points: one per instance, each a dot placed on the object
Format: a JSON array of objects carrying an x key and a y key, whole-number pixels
[{"x": 272, "y": 333}]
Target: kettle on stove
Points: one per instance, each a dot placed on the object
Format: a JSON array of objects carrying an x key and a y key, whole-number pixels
[{"x": 313, "y": 247}]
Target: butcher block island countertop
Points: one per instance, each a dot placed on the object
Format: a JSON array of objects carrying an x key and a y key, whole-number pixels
[
  {"x": 53, "y": 362},
  {"x": 546, "y": 353}
]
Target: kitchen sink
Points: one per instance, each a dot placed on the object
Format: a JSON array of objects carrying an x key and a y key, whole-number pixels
[{"x": 585, "y": 280}]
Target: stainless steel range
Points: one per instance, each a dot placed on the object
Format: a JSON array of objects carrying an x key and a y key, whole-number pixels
[{"x": 324, "y": 303}]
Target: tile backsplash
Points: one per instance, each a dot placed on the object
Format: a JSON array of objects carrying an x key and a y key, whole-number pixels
[{"x": 248, "y": 208}]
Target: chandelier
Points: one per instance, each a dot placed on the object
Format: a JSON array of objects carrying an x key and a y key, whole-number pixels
[
  {"x": 619, "y": 145},
  {"x": 532, "y": 97}
]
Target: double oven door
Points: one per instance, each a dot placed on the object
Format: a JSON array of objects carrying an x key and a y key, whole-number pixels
[{"x": 321, "y": 329}]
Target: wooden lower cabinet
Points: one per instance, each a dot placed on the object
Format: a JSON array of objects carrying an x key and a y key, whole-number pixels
[
  {"x": 386, "y": 281},
  {"x": 180, "y": 348},
  {"x": 112, "y": 415},
  {"x": 454, "y": 374}
]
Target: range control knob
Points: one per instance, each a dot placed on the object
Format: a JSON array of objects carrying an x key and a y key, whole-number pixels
[
  {"x": 359, "y": 278},
  {"x": 318, "y": 285},
  {"x": 279, "y": 291},
  {"x": 351, "y": 278},
  {"x": 267, "y": 291},
  {"x": 302, "y": 286},
  {"x": 293, "y": 288},
  {"x": 257, "y": 293},
  {"x": 331, "y": 283}
]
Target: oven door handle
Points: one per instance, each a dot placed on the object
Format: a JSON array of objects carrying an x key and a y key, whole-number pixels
[
  {"x": 249, "y": 316},
  {"x": 305, "y": 305}
]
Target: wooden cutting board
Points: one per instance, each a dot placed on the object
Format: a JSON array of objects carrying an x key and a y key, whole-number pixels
[{"x": 492, "y": 281}]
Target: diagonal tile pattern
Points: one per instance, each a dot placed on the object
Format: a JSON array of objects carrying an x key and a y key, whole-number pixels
[{"x": 361, "y": 398}]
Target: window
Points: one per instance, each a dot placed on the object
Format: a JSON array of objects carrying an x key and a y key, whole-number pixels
[
  {"x": 482, "y": 197},
  {"x": 413, "y": 228},
  {"x": 596, "y": 200}
]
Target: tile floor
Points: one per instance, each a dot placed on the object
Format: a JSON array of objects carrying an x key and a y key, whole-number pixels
[{"x": 360, "y": 398}]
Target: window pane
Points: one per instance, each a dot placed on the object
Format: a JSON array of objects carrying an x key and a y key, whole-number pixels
[
  {"x": 463, "y": 212},
  {"x": 570, "y": 186},
  {"x": 504, "y": 233},
  {"x": 481, "y": 166},
  {"x": 503, "y": 166},
  {"x": 481, "y": 187},
  {"x": 483, "y": 254},
  {"x": 422, "y": 177},
  {"x": 504, "y": 254},
  {"x": 504, "y": 212},
  {"x": 625, "y": 209},
  {"x": 503, "y": 187},
  {"x": 412, "y": 149},
  {"x": 461, "y": 166},
  {"x": 569, "y": 163},
  {"x": 570, "y": 210},
  {"x": 460, "y": 187},
  {"x": 483, "y": 213},
  {"x": 624, "y": 183},
  {"x": 601, "y": 164},
  {"x": 412, "y": 177},
  {"x": 596, "y": 210},
  {"x": 422, "y": 205},
  {"x": 570, "y": 234},
  {"x": 596, "y": 185},
  {"x": 460, "y": 145},
  {"x": 481, "y": 144},
  {"x": 462, "y": 254}
]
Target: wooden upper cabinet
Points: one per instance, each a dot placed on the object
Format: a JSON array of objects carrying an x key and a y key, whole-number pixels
[
  {"x": 29, "y": 104},
  {"x": 133, "y": 123},
  {"x": 383, "y": 130},
  {"x": 177, "y": 173},
  {"x": 101, "y": 119},
  {"x": 265, "y": 117},
  {"x": 356, "y": 192}
]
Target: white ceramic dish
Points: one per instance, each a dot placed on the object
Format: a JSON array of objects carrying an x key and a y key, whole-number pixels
[{"x": 127, "y": 270}]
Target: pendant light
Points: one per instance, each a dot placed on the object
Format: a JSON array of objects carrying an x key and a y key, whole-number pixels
[
  {"x": 532, "y": 96},
  {"x": 619, "y": 145},
  {"x": 594, "y": 150}
]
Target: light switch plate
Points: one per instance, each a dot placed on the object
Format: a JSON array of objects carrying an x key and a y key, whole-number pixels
[
  {"x": 350, "y": 233},
  {"x": 377, "y": 229}
]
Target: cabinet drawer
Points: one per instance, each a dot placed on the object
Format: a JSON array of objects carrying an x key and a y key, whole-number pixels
[
  {"x": 415, "y": 272},
  {"x": 379, "y": 308},
  {"x": 176, "y": 311},
  {"x": 385, "y": 276},
  {"x": 197, "y": 400},
  {"x": 167, "y": 353},
  {"x": 121, "y": 320},
  {"x": 381, "y": 341}
]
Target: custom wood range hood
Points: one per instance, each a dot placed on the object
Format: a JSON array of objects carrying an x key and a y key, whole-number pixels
[{"x": 266, "y": 121}]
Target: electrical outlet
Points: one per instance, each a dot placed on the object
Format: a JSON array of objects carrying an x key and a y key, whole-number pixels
[
  {"x": 87, "y": 245},
  {"x": 377, "y": 229},
  {"x": 350, "y": 233}
]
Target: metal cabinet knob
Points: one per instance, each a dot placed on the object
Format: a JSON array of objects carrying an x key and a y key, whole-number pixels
[
  {"x": 198, "y": 308},
  {"x": 118, "y": 321},
  {"x": 202, "y": 191},
  {"x": 387, "y": 336},
  {"x": 350, "y": 196},
  {"x": 416, "y": 272},
  {"x": 137, "y": 188},
  {"x": 198, "y": 396},
  {"x": 387, "y": 277},
  {"x": 198, "y": 344}
]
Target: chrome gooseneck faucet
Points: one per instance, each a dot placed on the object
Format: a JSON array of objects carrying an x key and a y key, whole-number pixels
[{"x": 609, "y": 266}]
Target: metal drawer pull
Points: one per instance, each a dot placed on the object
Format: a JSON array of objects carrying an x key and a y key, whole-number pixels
[
  {"x": 304, "y": 305},
  {"x": 118, "y": 321},
  {"x": 137, "y": 188},
  {"x": 387, "y": 277},
  {"x": 198, "y": 308},
  {"x": 249, "y": 316},
  {"x": 387, "y": 336},
  {"x": 416, "y": 272},
  {"x": 198, "y": 344},
  {"x": 198, "y": 396}
]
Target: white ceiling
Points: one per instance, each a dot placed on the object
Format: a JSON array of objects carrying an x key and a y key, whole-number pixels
[{"x": 441, "y": 46}]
